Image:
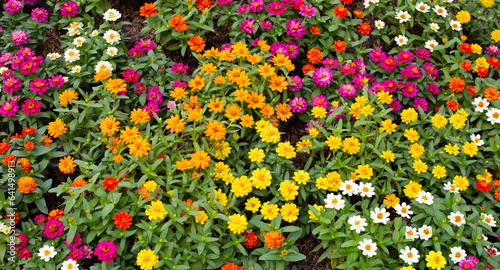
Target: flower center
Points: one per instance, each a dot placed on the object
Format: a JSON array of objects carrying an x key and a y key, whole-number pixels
[
  {"x": 380, "y": 215},
  {"x": 404, "y": 209},
  {"x": 409, "y": 255},
  {"x": 53, "y": 228},
  {"x": 458, "y": 219}
]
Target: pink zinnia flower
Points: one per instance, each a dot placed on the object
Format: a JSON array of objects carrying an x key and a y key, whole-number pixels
[
  {"x": 75, "y": 254},
  {"x": 410, "y": 89},
  {"x": 293, "y": 49},
  {"x": 146, "y": 45},
  {"x": 247, "y": 25},
  {"x": 135, "y": 52},
  {"x": 171, "y": 105},
  {"x": 347, "y": 91},
  {"x": 420, "y": 102},
  {"x": 29, "y": 67},
  {"x": 276, "y": 8},
  {"x": 266, "y": 24},
  {"x": 295, "y": 83},
  {"x": 320, "y": 101},
  {"x": 11, "y": 84},
  {"x": 390, "y": 85},
  {"x": 179, "y": 83},
  {"x": 56, "y": 81},
  {"x": 154, "y": 95},
  {"x": 106, "y": 251},
  {"x": 347, "y": 68},
  {"x": 395, "y": 105},
  {"x": 140, "y": 88},
  {"x": 256, "y": 5},
  {"x": 493, "y": 50},
  {"x": 389, "y": 63},
  {"x": 180, "y": 68},
  {"x": 39, "y": 219},
  {"x": 430, "y": 70},
  {"x": 16, "y": 62},
  {"x": 322, "y": 76},
  {"x": 9, "y": 108},
  {"x": 53, "y": 228},
  {"x": 414, "y": 71},
  {"x": 24, "y": 253},
  {"x": 86, "y": 251},
  {"x": 330, "y": 63},
  {"x": 242, "y": 9},
  {"x": 13, "y": 6},
  {"x": 295, "y": 29},
  {"x": 433, "y": 88},
  {"x": 223, "y": 2},
  {"x": 77, "y": 240},
  {"x": 405, "y": 56},
  {"x": 69, "y": 9},
  {"x": 423, "y": 54},
  {"x": 377, "y": 55},
  {"x": 131, "y": 76},
  {"x": 298, "y": 104},
  {"x": 19, "y": 37},
  {"x": 31, "y": 106},
  {"x": 377, "y": 87},
  {"x": 25, "y": 52},
  {"x": 39, "y": 14},
  {"x": 39, "y": 85},
  {"x": 22, "y": 241},
  {"x": 307, "y": 11}
]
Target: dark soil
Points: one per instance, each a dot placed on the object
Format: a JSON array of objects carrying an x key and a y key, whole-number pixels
[{"x": 305, "y": 246}]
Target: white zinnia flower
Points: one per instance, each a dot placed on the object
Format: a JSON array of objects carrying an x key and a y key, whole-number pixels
[
  {"x": 430, "y": 44},
  {"x": 409, "y": 255},
  {"x": 78, "y": 42},
  {"x": 366, "y": 190},
  {"x": 457, "y": 218},
  {"x": 46, "y": 253},
  {"x": 380, "y": 215},
  {"x": 72, "y": 55},
  {"x": 493, "y": 115},
  {"x": 368, "y": 247},
  {"x": 403, "y": 16},
  {"x": 440, "y": 11},
  {"x": 334, "y": 201},
  {"x": 425, "y": 197},
  {"x": 112, "y": 15},
  {"x": 457, "y": 254},
  {"x": 490, "y": 220},
  {"x": 456, "y": 25},
  {"x": 451, "y": 187},
  {"x": 424, "y": 8},
  {"x": 76, "y": 69},
  {"x": 357, "y": 223},
  {"x": 102, "y": 65},
  {"x": 112, "y": 51},
  {"x": 112, "y": 37},
  {"x": 434, "y": 26},
  {"x": 411, "y": 233},
  {"x": 53, "y": 56},
  {"x": 425, "y": 232},
  {"x": 70, "y": 265},
  {"x": 349, "y": 187},
  {"x": 368, "y": 3},
  {"x": 379, "y": 24},
  {"x": 476, "y": 139},
  {"x": 481, "y": 104},
  {"x": 403, "y": 210},
  {"x": 401, "y": 40},
  {"x": 73, "y": 31}
]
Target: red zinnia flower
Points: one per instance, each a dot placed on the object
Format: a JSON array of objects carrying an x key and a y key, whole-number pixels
[
  {"x": 482, "y": 71},
  {"x": 466, "y": 48},
  {"x": 27, "y": 131},
  {"x": 494, "y": 62},
  {"x": 339, "y": 45},
  {"x": 148, "y": 9},
  {"x": 28, "y": 146},
  {"x": 251, "y": 239},
  {"x": 452, "y": 105},
  {"x": 110, "y": 183},
  {"x": 364, "y": 28},
  {"x": 466, "y": 65},
  {"x": 123, "y": 220},
  {"x": 483, "y": 186},
  {"x": 4, "y": 146},
  {"x": 471, "y": 89}
]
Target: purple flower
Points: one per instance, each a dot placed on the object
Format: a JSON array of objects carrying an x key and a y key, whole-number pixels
[
  {"x": 420, "y": 102},
  {"x": 19, "y": 37},
  {"x": 295, "y": 29},
  {"x": 320, "y": 100},
  {"x": 377, "y": 55},
  {"x": 293, "y": 49},
  {"x": 31, "y": 106},
  {"x": 423, "y": 54},
  {"x": 298, "y": 104},
  {"x": 266, "y": 24},
  {"x": 39, "y": 219},
  {"x": 322, "y": 76},
  {"x": 295, "y": 83},
  {"x": 467, "y": 265},
  {"x": 256, "y": 5},
  {"x": 493, "y": 50},
  {"x": 330, "y": 63},
  {"x": 307, "y": 11},
  {"x": 433, "y": 88},
  {"x": 56, "y": 81},
  {"x": 69, "y": 9},
  {"x": 247, "y": 25},
  {"x": 347, "y": 91},
  {"x": 106, "y": 251},
  {"x": 410, "y": 89},
  {"x": 13, "y": 6},
  {"x": 223, "y": 2},
  {"x": 405, "y": 56},
  {"x": 39, "y": 14},
  {"x": 488, "y": 267},
  {"x": 9, "y": 108},
  {"x": 180, "y": 68},
  {"x": 77, "y": 240},
  {"x": 53, "y": 228},
  {"x": 39, "y": 86}
]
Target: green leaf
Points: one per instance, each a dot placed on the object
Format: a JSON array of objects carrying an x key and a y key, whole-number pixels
[{"x": 107, "y": 209}]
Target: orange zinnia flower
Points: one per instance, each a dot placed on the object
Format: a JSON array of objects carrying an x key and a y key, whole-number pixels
[
  {"x": 308, "y": 67},
  {"x": 215, "y": 130},
  {"x": 26, "y": 184},
  {"x": 9, "y": 160},
  {"x": 314, "y": 56},
  {"x": 25, "y": 164},
  {"x": 55, "y": 214},
  {"x": 452, "y": 105},
  {"x": 200, "y": 159},
  {"x": 196, "y": 43},
  {"x": 148, "y": 9},
  {"x": 283, "y": 111},
  {"x": 116, "y": 86},
  {"x": 29, "y": 146},
  {"x": 178, "y": 23},
  {"x": 123, "y": 220},
  {"x": 203, "y": 4},
  {"x": 273, "y": 239},
  {"x": 314, "y": 30},
  {"x": 339, "y": 45},
  {"x": 466, "y": 65},
  {"x": 255, "y": 100},
  {"x": 340, "y": 12},
  {"x": 456, "y": 84},
  {"x": 491, "y": 94}
]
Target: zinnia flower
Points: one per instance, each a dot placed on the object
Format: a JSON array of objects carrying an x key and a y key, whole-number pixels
[
  {"x": 106, "y": 251},
  {"x": 146, "y": 259},
  {"x": 67, "y": 165}
]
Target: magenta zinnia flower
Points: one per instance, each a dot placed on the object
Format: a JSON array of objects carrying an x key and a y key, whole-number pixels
[
  {"x": 389, "y": 63},
  {"x": 19, "y": 37},
  {"x": 295, "y": 29},
  {"x": 266, "y": 24},
  {"x": 154, "y": 95},
  {"x": 377, "y": 55},
  {"x": 493, "y": 50},
  {"x": 39, "y": 85},
  {"x": 247, "y": 25},
  {"x": 430, "y": 69},
  {"x": 405, "y": 56},
  {"x": 180, "y": 68},
  {"x": 22, "y": 241},
  {"x": 322, "y": 76},
  {"x": 410, "y": 89},
  {"x": 420, "y": 102},
  {"x": 11, "y": 84},
  {"x": 347, "y": 91},
  {"x": 131, "y": 76},
  {"x": 75, "y": 254},
  {"x": 320, "y": 101},
  {"x": 223, "y": 2},
  {"x": 295, "y": 83},
  {"x": 53, "y": 228},
  {"x": 24, "y": 253},
  {"x": 77, "y": 240},
  {"x": 390, "y": 85},
  {"x": 106, "y": 251},
  {"x": 140, "y": 88},
  {"x": 13, "y": 6},
  {"x": 39, "y": 14},
  {"x": 466, "y": 264},
  {"x": 276, "y": 8},
  {"x": 28, "y": 67},
  {"x": 307, "y": 11},
  {"x": 9, "y": 108},
  {"x": 395, "y": 105},
  {"x": 298, "y": 104},
  {"x": 31, "y": 106},
  {"x": 433, "y": 88},
  {"x": 347, "y": 68},
  {"x": 56, "y": 81},
  {"x": 330, "y": 63},
  {"x": 86, "y": 251},
  {"x": 69, "y": 9},
  {"x": 423, "y": 54},
  {"x": 293, "y": 49},
  {"x": 242, "y": 9},
  {"x": 256, "y": 5},
  {"x": 39, "y": 219}
]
